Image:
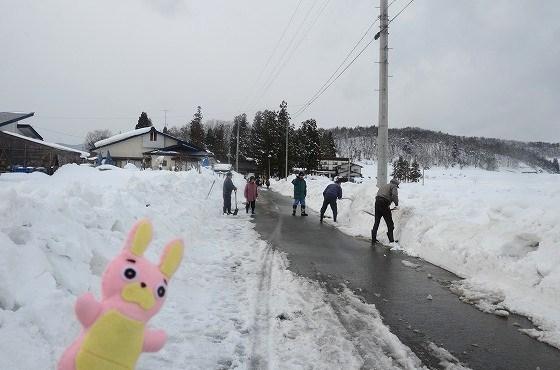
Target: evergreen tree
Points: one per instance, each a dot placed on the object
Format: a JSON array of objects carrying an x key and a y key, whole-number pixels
[
  {"x": 196, "y": 129},
  {"x": 415, "y": 173},
  {"x": 210, "y": 140},
  {"x": 328, "y": 147},
  {"x": 401, "y": 170},
  {"x": 555, "y": 165},
  {"x": 283, "y": 122},
  {"x": 143, "y": 121},
  {"x": 220, "y": 147},
  {"x": 261, "y": 143},
  {"x": 165, "y": 130},
  {"x": 274, "y": 135},
  {"x": 244, "y": 137},
  {"x": 310, "y": 145}
]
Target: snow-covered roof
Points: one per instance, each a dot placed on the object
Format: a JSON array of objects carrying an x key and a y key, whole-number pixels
[
  {"x": 222, "y": 167},
  {"x": 46, "y": 143},
  {"x": 122, "y": 136}
]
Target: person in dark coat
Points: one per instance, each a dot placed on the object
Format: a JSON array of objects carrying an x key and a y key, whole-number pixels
[
  {"x": 228, "y": 188},
  {"x": 386, "y": 195},
  {"x": 267, "y": 182},
  {"x": 300, "y": 192},
  {"x": 251, "y": 195},
  {"x": 331, "y": 193}
]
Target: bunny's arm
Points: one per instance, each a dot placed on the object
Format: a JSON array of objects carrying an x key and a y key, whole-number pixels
[
  {"x": 87, "y": 309},
  {"x": 153, "y": 340}
]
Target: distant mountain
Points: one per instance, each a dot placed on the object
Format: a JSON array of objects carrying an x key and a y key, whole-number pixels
[{"x": 431, "y": 148}]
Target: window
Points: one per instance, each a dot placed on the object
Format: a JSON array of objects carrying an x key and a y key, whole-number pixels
[
  {"x": 164, "y": 163},
  {"x": 153, "y": 136}
]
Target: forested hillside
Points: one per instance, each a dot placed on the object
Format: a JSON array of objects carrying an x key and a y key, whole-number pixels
[{"x": 431, "y": 148}]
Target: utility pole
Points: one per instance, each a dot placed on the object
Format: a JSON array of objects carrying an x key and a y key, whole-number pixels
[
  {"x": 165, "y": 119},
  {"x": 383, "y": 129},
  {"x": 237, "y": 150},
  {"x": 287, "y": 126}
]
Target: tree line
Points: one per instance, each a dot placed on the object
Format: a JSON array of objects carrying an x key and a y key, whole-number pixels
[{"x": 263, "y": 140}]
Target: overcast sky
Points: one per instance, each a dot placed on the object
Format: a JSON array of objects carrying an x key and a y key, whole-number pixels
[{"x": 467, "y": 67}]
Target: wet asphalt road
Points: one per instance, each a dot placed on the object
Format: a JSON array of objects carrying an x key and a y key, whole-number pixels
[{"x": 478, "y": 340}]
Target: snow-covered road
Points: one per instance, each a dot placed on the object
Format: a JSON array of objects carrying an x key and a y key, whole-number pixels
[{"x": 232, "y": 303}]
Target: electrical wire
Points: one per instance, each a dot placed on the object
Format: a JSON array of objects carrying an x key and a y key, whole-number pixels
[
  {"x": 275, "y": 70},
  {"x": 249, "y": 95},
  {"x": 341, "y": 64},
  {"x": 316, "y": 96},
  {"x": 289, "y": 58}
]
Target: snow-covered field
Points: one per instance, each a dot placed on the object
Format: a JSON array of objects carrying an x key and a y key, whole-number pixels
[
  {"x": 232, "y": 304},
  {"x": 499, "y": 230}
]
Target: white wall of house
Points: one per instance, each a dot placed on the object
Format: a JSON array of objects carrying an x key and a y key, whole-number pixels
[{"x": 134, "y": 147}]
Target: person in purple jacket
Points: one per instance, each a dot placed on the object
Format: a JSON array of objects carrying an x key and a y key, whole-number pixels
[{"x": 331, "y": 193}]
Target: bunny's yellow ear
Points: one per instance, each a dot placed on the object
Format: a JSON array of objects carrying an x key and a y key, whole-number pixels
[
  {"x": 171, "y": 258},
  {"x": 139, "y": 237}
]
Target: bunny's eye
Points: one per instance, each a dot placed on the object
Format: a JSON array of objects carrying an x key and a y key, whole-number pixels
[
  {"x": 161, "y": 291},
  {"x": 129, "y": 273}
]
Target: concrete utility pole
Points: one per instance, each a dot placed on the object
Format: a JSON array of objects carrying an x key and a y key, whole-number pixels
[
  {"x": 165, "y": 119},
  {"x": 383, "y": 130},
  {"x": 287, "y": 126},
  {"x": 237, "y": 150}
]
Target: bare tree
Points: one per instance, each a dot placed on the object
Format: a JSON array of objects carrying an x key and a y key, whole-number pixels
[{"x": 94, "y": 136}]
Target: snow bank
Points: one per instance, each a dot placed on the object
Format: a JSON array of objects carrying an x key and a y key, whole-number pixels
[
  {"x": 499, "y": 230},
  {"x": 232, "y": 304}
]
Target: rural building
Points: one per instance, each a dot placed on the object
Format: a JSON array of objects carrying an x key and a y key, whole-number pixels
[
  {"x": 150, "y": 148},
  {"x": 22, "y": 149},
  {"x": 332, "y": 167}
]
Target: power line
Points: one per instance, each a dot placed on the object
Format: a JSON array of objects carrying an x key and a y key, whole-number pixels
[
  {"x": 306, "y": 33},
  {"x": 340, "y": 65},
  {"x": 249, "y": 95},
  {"x": 277, "y": 67},
  {"x": 316, "y": 96}
]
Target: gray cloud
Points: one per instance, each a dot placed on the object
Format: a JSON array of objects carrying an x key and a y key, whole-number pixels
[{"x": 466, "y": 67}]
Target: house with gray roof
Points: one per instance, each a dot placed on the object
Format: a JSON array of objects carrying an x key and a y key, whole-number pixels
[
  {"x": 22, "y": 148},
  {"x": 150, "y": 148}
]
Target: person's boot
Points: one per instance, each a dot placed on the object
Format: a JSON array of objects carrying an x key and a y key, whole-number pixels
[
  {"x": 373, "y": 237},
  {"x": 390, "y": 236},
  {"x": 294, "y": 211},
  {"x": 321, "y": 218},
  {"x": 303, "y": 211},
  {"x": 247, "y": 209}
]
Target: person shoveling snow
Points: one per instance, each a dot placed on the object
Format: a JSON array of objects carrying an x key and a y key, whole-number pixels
[
  {"x": 330, "y": 195},
  {"x": 228, "y": 188},
  {"x": 386, "y": 195}
]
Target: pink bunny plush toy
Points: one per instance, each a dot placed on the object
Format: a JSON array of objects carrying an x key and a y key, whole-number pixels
[{"x": 133, "y": 290}]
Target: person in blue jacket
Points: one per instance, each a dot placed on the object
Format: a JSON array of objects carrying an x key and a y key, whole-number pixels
[
  {"x": 300, "y": 192},
  {"x": 331, "y": 193}
]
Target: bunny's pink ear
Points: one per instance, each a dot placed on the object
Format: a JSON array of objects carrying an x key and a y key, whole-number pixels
[
  {"x": 171, "y": 258},
  {"x": 139, "y": 237}
]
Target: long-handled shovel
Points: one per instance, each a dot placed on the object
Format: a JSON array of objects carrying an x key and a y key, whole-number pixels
[{"x": 236, "y": 209}]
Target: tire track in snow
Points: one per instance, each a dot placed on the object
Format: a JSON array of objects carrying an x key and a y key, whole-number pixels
[{"x": 259, "y": 357}]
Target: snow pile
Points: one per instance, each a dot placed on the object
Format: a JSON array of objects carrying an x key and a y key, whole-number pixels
[
  {"x": 232, "y": 304},
  {"x": 497, "y": 229}
]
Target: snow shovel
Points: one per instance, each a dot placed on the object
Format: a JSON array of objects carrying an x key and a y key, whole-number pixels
[
  {"x": 210, "y": 189},
  {"x": 236, "y": 210}
]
